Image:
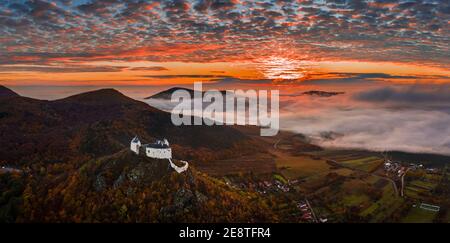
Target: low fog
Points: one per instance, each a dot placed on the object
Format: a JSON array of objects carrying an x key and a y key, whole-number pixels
[
  {"x": 410, "y": 119},
  {"x": 407, "y": 118}
]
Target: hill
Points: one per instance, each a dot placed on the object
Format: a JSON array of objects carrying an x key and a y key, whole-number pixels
[
  {"x": 322, "y": 93},
  {"x": 167, "y": 94},
  {"x": 77, "y": 168},
  {"x": 100, "y": 123},
  {"x": 7, "y": 93},
  {"x": 124, "y": 187}
]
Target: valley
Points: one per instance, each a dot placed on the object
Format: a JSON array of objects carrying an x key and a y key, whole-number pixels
[{"x": 345, "y": 185}]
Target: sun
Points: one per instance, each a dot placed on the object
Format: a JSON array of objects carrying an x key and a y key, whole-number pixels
[{"x": 282, "y": 69}]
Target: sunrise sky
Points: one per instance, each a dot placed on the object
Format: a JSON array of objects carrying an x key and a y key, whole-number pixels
[{"x": 114, "y": 42}]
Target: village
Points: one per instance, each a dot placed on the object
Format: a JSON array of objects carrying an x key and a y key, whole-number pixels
[
  {"x": 277, "y": 185},
  {"x": 397, "y": 171}
]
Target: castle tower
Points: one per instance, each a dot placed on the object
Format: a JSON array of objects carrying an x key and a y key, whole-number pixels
[{"x": 135, "y": 145}]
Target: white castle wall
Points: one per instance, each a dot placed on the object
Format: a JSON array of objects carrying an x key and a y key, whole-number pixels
[
  {"x": 179, "y": 169},
  {"x": 159, "y": 153}
]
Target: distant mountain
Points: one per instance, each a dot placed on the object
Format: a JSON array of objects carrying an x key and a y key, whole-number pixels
[
  {"x": 322, "y": 93},
  {"x": 167, "y": 94},
  {"x": 7, "y": 93},
  {"x": 434, "y": 160}
]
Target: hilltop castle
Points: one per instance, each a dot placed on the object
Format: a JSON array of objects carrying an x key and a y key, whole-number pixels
[{"x": 158, "y": 150}]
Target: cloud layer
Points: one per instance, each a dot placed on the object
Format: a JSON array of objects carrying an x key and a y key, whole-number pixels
[
  {"x": 401, "y": 122},
  {"x": 418, "y": 95},
  {"x": 411, "y": 118},
  {"x": 42, "y": 32},
  {"x": 377, "y": 129}
]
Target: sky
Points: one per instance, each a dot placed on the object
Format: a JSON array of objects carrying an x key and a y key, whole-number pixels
[
  {"x": 390, "y": 57},
  {"x": 116, "y": 42}
]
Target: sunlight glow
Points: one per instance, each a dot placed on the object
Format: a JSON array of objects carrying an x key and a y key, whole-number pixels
[{"x": 281, "y": 68}]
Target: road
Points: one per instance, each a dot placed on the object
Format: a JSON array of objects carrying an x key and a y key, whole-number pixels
[
  {"x": 403, "y": 183},
  {"x": 312, "y": 210}
]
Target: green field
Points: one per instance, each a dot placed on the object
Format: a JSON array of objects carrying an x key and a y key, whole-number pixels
[
  {"x": 355, "y": 200},
  {"x": 412, "y": 192},
  {"x": 370, "y": 210},
  {"x": 385, "y": 206},
  {"x": 360, "y": 160},
  {"x": 421, "y": 187},
  {"x": 423, "y": 184},
  {"x": 294, "y": 167},
  {"x": 418, "y": 215},
  {"x": 367, "y": 164},
  {"x": 347, "y": 183}
]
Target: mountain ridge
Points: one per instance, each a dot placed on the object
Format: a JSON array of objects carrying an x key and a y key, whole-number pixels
[
  {"x": 7, "y": 93},
  {"x": 167, "y": 94},
  {"x": 321, "y": 93}
]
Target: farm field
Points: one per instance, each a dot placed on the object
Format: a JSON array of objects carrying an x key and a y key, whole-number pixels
[
  {"x": 360, "y": 160},
  {"x": 421, "y": 185},
  {"x": 385, "y": 206},
  {"x": 342, "y": 185},
  {"x": 418, "y": 215},
  {"x": 300, "y": 167},
  {"x": 367, "y": 164}
]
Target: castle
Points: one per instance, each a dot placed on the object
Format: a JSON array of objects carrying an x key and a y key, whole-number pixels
[{"x": 158, "y": 150}]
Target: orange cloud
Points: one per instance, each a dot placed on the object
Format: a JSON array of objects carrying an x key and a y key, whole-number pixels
[{"x": 165, "y": 50}]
